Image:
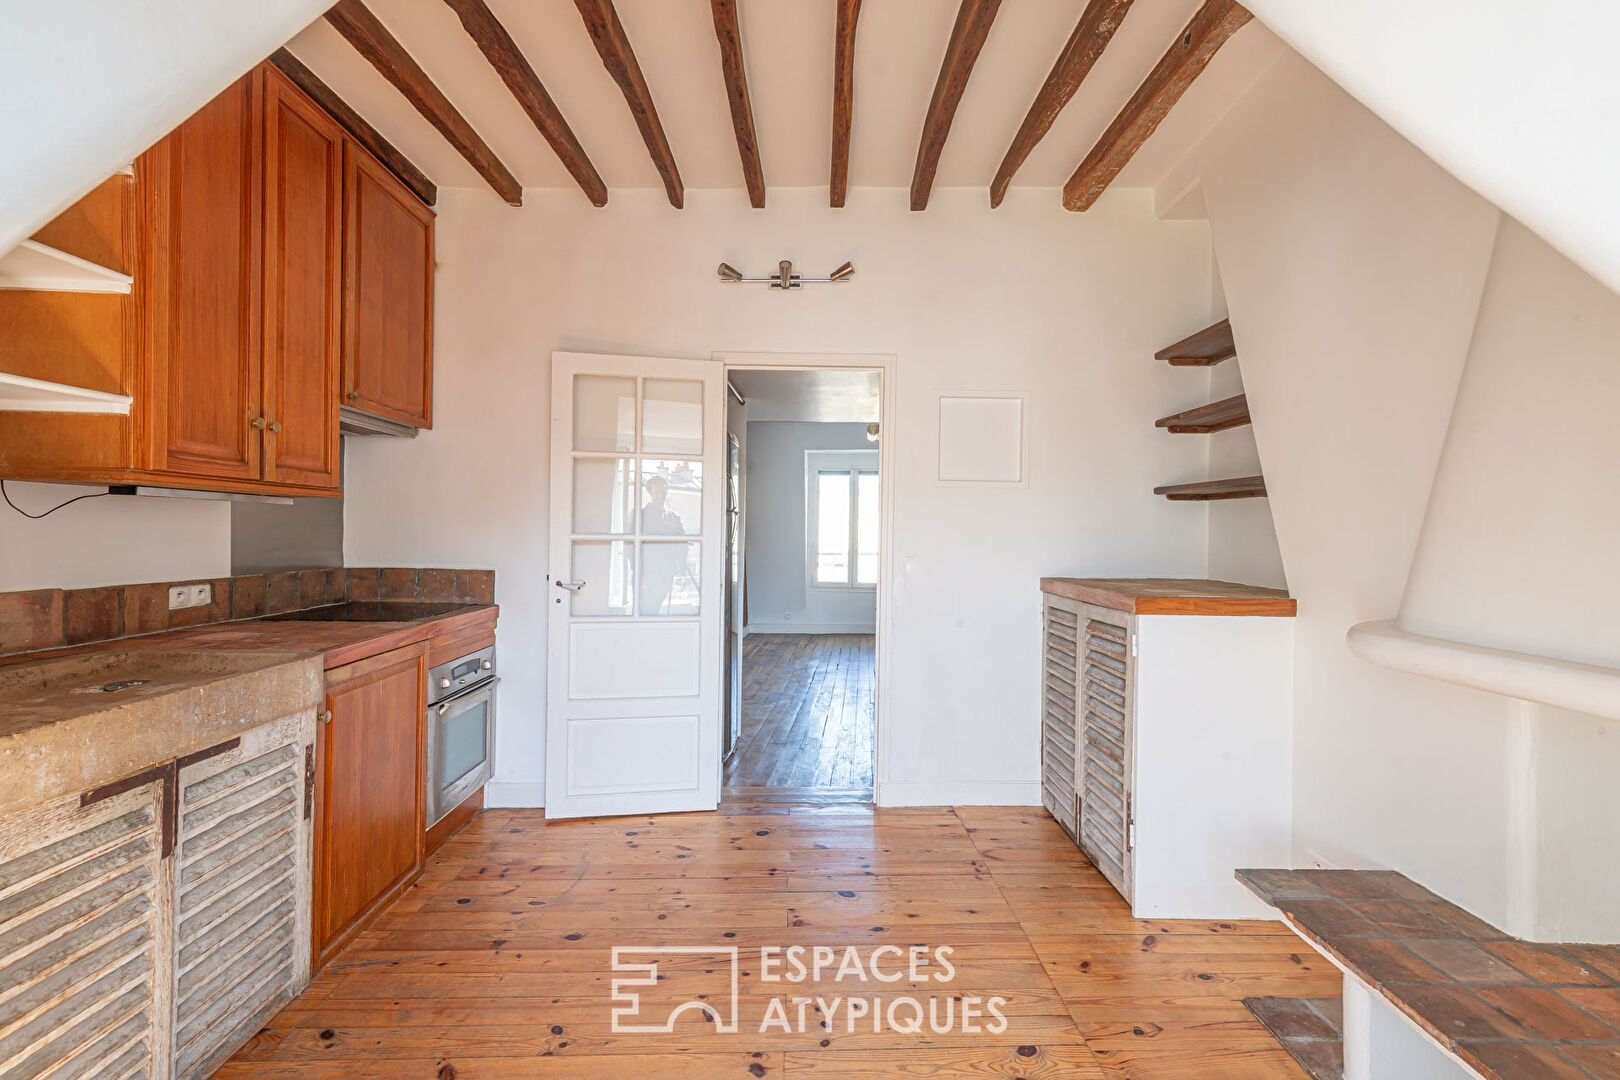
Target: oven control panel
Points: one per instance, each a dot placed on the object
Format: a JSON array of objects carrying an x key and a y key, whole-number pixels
[{"x": 454, "y": 676}]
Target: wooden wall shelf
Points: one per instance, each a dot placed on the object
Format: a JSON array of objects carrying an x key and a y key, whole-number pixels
[
  {"x": 1206, "y": 348},
  {"x": 1242, "y": 487},
  {"x": 42, "y": 268},
  {"x": 1217, "y": 416}
]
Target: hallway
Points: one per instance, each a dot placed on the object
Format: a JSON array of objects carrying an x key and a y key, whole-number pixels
[{"x": 808, "y": 703}]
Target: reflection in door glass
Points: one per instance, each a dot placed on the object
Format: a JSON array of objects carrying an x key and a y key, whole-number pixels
[
  {"x": 669, "y": 578},
  {"x": 671, "y": 497}
]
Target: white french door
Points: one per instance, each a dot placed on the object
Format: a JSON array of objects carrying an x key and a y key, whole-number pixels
[{"x": 636, "y": 577}]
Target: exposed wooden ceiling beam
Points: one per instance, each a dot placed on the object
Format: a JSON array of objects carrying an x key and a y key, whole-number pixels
[
  {"x": 849, "y": 12},
  {"x": 607, "y": 34},
  {"x": 1196, "y": 46},
  {"x": 372, "y": 40},
  {"x": 355, "y": 124},
  {"x": 742, "y": 112},
  {"x": 514, "y": 69},
  {"x": 972, "y": 27},
  {"x": 1091, "y": 36}
]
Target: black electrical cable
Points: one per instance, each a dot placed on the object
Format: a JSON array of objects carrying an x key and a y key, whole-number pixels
[{"x": 5, "y": 495}]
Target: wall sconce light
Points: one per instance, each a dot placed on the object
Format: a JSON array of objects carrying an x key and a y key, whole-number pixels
[
  {"x": 785, "y": 278},
  {"x": 871, "y": 433}
]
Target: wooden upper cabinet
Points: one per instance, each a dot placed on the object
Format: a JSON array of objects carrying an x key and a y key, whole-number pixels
[
  {"x": 204, "y": 181},
  {"x": 370, "y": 828},
  {"x": 388, "y": 298},
  {"x": 303, "y": 286}
]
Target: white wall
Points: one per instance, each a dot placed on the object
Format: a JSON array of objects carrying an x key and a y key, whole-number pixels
[
  {"x": 779, "y": 600},
  {"x": 1242, "y": 537},
  {"x": 114, "y": 540},
  {"x": 90, "y": 84},
  {"x": 1069, "y": 307},
  {"x": 1519, "y": 100},
  {"x": 1355, "y": 269}
]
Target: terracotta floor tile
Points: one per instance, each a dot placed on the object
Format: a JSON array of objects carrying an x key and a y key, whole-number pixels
[
  {"x": 1602, "y": 1002},
  {"x": 1455, "y": 1012},
  {"x": 1546, "y": 1013},
  {"x": 1462, "y": 922},
  {"x": 1272, "y": 885},
  {"x": 1604, "y": 958},
  {"x": 1381, "y": 960},
  {"x": 1327, "y": 918},
  {"x": 1603, "y": 1062},
  {"x": 1400, "y": 918},
  {"x": 1547, "y": 963},
  {"x": 1465, "y": 961},
  {"x": 1291, "y": 1018},
  {"x": 1519, "y": 1061},
  {"x": 1350, "y": 884}
]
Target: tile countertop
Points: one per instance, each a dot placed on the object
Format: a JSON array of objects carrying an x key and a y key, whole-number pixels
[
  {"x": 338, "y": 642},
  {"x": 1511, "y": 1009},
  {"x": 1173, "y": 596}
]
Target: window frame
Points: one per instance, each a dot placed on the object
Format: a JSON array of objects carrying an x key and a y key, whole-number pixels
[{"x": 852, "y": 463}]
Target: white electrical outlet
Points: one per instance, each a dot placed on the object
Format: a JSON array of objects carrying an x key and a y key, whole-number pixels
[
  {"x": 202, "y": 595},
  {"x": 179, "y": 597}
]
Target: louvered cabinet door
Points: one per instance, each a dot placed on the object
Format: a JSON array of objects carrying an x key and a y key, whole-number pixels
[
  {"x": 1106, "y": 738},
  {"x": 1060, "y": 678},
  {"x": 241, "y": 881},
  {"x": 83, "y": 975}
]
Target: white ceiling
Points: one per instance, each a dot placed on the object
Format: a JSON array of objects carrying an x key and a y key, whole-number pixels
[
  {"x": 824, "y": 397},
  {"x": 788, "y": 49}
]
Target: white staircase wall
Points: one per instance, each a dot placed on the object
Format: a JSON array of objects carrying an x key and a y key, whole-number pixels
[
  {"x": 1519, "y": 100},
  {"x": 92, "y": 83}
]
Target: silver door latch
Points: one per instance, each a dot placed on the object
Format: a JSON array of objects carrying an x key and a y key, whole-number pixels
[{"x": 571, "y": 586}]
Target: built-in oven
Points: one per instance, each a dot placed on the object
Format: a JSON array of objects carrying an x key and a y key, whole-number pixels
[{"x": 460, "y": 730}]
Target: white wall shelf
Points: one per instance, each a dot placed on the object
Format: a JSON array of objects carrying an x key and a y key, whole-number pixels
[
  {"x": 40, "y": 267},
  {"x": 21, "y": 394},
  {"x": 1582, "y": 688}
]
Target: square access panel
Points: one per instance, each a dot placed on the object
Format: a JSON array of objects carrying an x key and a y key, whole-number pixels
[{"x": 982, "y": 438}]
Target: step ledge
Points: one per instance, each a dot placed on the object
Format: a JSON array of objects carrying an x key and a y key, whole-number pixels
[{"x": 1583, "y": 688}]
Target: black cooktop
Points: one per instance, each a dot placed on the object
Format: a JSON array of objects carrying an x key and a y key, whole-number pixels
[{"x": 369, "y": 611}]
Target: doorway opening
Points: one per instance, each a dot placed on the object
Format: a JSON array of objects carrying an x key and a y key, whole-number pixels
[{"x": 805, "y": 566}]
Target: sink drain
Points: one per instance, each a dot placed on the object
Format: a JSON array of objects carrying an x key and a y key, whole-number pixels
[{"x": 112, "y": 687}]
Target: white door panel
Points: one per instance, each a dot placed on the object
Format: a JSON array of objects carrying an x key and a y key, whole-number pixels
[{"x": 637, "y": 569}]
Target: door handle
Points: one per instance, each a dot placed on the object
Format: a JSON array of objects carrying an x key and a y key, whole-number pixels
[{"x": 571, "y": 586}]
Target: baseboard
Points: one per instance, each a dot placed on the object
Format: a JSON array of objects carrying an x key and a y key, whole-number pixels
[
  {"x": 811, "y": 628},
  {"x": 959, "y": 793},
  {"x": 514, "y": 795}
]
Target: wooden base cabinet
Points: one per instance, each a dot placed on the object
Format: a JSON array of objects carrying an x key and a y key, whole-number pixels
[
  {"x": 150, "y": 926},
  {"x": 1167, "y": 751},
  {"x": 371, "y": 827}
]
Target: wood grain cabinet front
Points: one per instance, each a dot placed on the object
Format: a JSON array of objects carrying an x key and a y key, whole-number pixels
[
  {"x": 388, "y": 300},
  {"x": 370, "y": 815},
  {"x": 280, "y": 271}
]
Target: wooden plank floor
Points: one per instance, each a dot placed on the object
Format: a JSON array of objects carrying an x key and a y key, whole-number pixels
[
  {"x": 496, "y": 964},
  {"x": 807, "y": 719}
]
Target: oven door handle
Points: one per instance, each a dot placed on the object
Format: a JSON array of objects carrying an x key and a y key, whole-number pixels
[{"x": 459, "y": 695}]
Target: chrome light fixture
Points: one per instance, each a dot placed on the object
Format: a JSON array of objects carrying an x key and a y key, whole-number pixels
[
  {"x": 872, "y": 433},
  {"x": 785, "y": 278}
]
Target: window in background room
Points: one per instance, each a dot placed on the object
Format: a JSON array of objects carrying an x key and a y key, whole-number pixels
[{"x": 844, "y": 526}]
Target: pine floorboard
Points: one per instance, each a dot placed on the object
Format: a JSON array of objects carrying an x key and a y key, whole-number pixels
[
  {"x": 808, "y": 705},
  {"x": 495, "y": 965}
]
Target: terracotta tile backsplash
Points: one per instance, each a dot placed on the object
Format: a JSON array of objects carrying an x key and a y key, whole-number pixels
[{"x": 51, "y": 618}]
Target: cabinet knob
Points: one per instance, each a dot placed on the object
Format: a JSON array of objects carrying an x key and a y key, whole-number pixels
[
  {"x": 324, "y": 716},
  {"x": 444, "y": 684},
  {"x": 488, "y": 665},
  {"x": 259, "y": 423},
  {"x": 275, "y": 427},
  {"x": 354, "y": 395}
]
